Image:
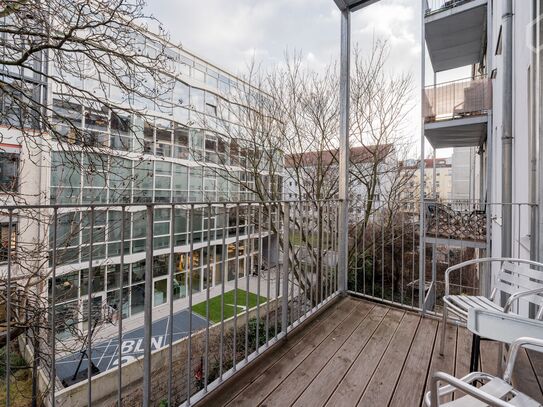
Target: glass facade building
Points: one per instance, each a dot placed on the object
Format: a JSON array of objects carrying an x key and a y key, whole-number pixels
[{"x": 158, "y": 153}]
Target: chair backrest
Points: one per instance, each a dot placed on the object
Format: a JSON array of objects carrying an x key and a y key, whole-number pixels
[{"x": 513, "y": 278}]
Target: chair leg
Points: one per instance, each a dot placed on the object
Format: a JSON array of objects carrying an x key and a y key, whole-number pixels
[
  {"x": 475, "y": 352},
  {"x": 443, "y": 331}
]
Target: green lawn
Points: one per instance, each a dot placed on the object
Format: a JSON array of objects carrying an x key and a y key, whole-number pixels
[{"x": 215, "y": 305}]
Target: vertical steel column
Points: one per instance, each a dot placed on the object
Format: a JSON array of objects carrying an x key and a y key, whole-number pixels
[
  {"x": 344, "y": 106},
  {"x": 148, "y": 308},
  {"x": 507, "y": 132},
  {"x": 120, "y": 310},
  {"x": 171, "y": 279},
  {"x": 422, "y": 240},
  {"x": 8, "y": 315},
  {"x": 286, "y": 250},
  {"x": 53, "y": 305},
  {"x": 90, "y": 329}
]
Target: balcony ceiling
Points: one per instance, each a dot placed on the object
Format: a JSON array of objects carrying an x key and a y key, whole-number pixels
[
  {"x": 353, "y": 5},
  {"x": 455, "y": 37},
  {"x": 467, "y": 132}
]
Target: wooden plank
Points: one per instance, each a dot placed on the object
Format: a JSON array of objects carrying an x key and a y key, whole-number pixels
[
  {"x": 489, "y": 357},
  {"x": 536, "y": 360},
  {"x": 246, "y": 376},
  {"x": 381, "y": 386},
  {"x": 445, "y": 363},
  {"x": 524, "y": 377},
  {"x": 331, "y": 375},
  {"x": 352, "y": 386},
  {"x": 411, "y": 385},
  {"x": 264, "y": 384},
  {"x": 297, "y": 381},
  {"x": 463, "y": 352}
]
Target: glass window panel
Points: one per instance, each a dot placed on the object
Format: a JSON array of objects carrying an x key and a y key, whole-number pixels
[
  {"x": 179, "y": 285},
  {"x": 161, "y": 292},
  {"x": 161, "y": 265},
  {"x": 138, "y": 271},
  {"x": 114, "y": 276},
  {"x": 66, "y": 287},
  {"x": 138, "y": 298},
  {"x": 163, "y": 182},
  {"x": 197, "y": 99},
  {"x": 113, "y": 298},
  {"x": 9, "y": 169},
  {"x": 97, "y": 285}
]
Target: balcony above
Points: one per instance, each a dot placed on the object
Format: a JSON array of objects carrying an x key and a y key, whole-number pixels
[
  {"x": 455, "y": 32},
  {"x": 456, "y": 113}
]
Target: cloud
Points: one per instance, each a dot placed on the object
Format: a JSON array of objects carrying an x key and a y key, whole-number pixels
[{"x": 230, "y": 33}]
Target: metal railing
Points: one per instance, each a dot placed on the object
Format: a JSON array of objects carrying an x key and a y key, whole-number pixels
[
  {"x": 436, "y": 6},
  {"x": 457, "y": 231},
  {"x": 383, "y": 253},
  {"x": 457, "y": 99},
  {"x": 166, "y": 325},
  {"x": 385, "y": 249}
]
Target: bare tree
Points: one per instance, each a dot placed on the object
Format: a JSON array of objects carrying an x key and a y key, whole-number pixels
[
  {"x": 66, "y": 63},
  {"x": 383, "y": 236},
  {"x": 381, "y": 104}
]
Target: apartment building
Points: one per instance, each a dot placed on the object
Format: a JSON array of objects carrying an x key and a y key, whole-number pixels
[
  {"x": 465, "y": 163},
  {"x": 163, "y": 155},
  {"x": 494, "y": 112},
  {"x": 314, "y": 174},
  {"x": 440, "y": 168}
]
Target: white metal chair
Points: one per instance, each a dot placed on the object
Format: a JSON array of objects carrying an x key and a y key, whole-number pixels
[
  {"x": 493, "y": 392},
  {"x": 517, "y": 278}
]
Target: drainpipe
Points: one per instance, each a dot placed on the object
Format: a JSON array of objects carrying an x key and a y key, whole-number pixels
[
  {"x": 507, "y": 130},
  {"x": 534, "y": 146},
  {"x": 539, "y": 119},
  {"x": 344, "y": 102}
]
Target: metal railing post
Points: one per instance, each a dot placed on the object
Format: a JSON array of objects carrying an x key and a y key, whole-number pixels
[
  {"x": 344, "y": 103},
  {"x": 422, "y": 240},
  {"x": 286, "y": 250},
  {"x": 148, "y": 310}
]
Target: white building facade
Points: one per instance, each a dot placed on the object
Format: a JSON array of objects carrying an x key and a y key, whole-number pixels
[{"x": 500, "y": 49}]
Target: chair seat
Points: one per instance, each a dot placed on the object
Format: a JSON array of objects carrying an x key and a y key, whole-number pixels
[
  {"x": 499, "y": 389},
  {"x": 460, "y": 304}
]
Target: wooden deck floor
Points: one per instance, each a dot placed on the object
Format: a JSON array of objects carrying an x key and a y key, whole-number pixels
[{"x": 366, "y": 354}]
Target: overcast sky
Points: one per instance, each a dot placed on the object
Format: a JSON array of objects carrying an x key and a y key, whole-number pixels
[{"x": 229, "y": 32}]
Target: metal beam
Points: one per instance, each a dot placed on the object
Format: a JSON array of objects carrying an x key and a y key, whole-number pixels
[
  {"x": 341, "y": 4},
  {"x": 344, "y": 105},
  {"x": 353, "y": 5},
  {"x": 357, "y": 5}
]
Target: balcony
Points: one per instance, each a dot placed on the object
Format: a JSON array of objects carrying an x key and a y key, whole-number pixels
[
  {"x": 257, "y": 320},
  {"x": 456, "y": 113},
  {"x": 455, "y": 32}
]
